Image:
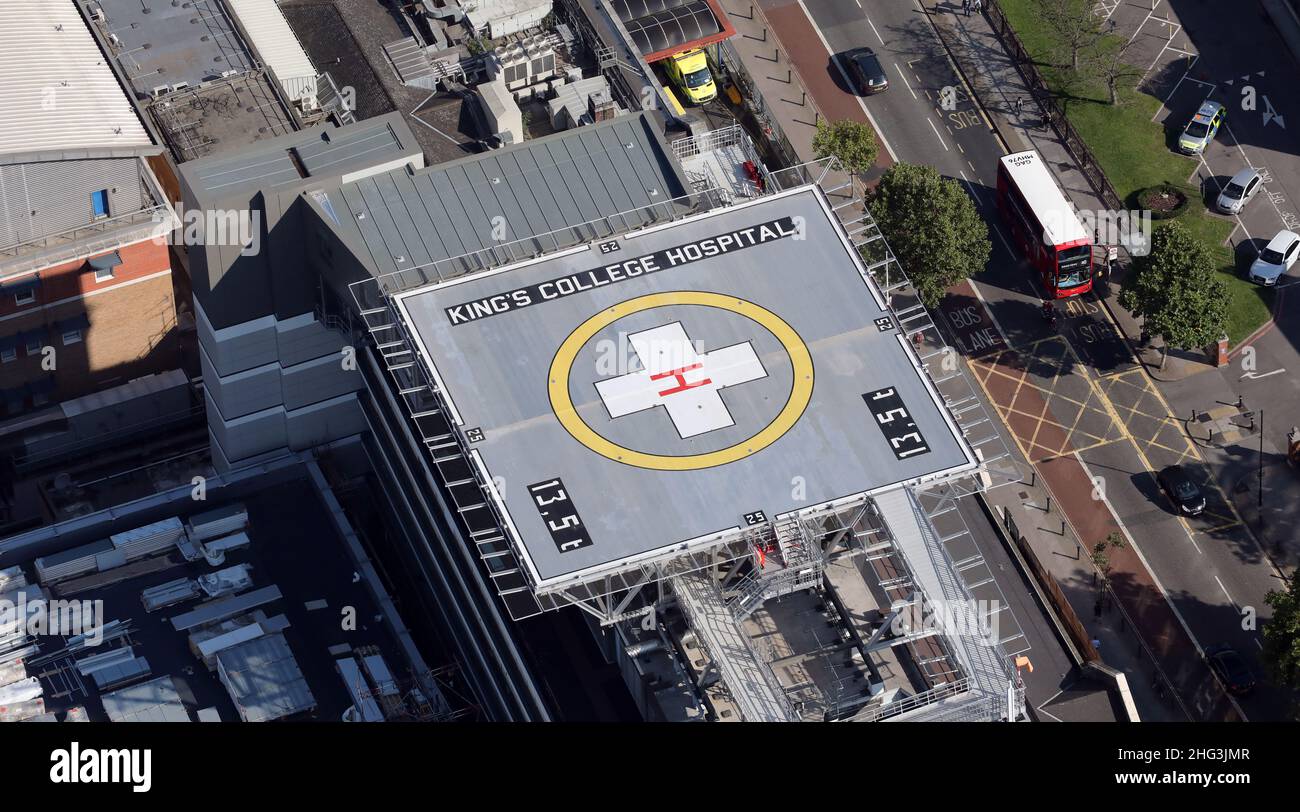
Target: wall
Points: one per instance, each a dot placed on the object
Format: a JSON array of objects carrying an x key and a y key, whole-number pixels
[
  {"x": 38, "y": 199},
  {"x": 132, "y": 317}
]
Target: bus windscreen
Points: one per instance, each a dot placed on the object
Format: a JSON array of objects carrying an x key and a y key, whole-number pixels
[{"x": 1074, "y": 266}]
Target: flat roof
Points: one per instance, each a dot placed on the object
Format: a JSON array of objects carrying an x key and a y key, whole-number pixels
[
  {"x": 58, "y": 91},
  {"x": 152, "y": 701},
  {"x": 634, "y": 397},
  {"x": 1044, "y": 196},
  {"x": 166, "y": 44},
  {"x": 289, "y": 160}
]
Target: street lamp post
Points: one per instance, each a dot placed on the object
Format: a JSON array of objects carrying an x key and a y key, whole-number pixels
[{"x": 1261, "y": 463}]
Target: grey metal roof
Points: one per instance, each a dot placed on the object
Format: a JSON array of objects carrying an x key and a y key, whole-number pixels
[
  {"x": 152, "y": 701},
  {"x": 496, "y": 369},
  {"x": 548, "y": 184},
  {"x": 289, "y": 160},
  {"x": 264, "y": 680}
]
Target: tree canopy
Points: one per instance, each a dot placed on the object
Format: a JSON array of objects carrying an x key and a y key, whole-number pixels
[
  {"x": 932, "y": 226},
  {"x": 1176, "y": 291},
  {"x": 852, "y": 142},
  {"x": 1281, "y": 653}
]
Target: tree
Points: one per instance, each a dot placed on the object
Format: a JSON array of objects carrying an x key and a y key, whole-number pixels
[
  {"x": 850, "y": 141},
  {"x": 1108, "y": 64},
  {"x": 1101, "y": 557},
  {"x": 932, "y": 227},
  {"x": 1281, "y": 654},
  {"x": 1176, "y": 292},
  {"x": 1075, "y": 23}
]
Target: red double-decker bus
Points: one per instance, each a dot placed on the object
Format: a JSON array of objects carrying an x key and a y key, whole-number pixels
[{"x": 1044, "y": 225}]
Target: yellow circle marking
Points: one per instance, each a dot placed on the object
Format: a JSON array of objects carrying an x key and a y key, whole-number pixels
[{"x": 800, "y": 393}]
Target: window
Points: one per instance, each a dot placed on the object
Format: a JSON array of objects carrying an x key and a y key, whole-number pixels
[
  {"x": 71, "y": 337},
  {"x": 25, "y": 297},
  {"x": 33, "y": 344},
  {"x": 103, "y": 274},
  {"x": 8, "y": 354},
  {"x": 99, "y": 203}
]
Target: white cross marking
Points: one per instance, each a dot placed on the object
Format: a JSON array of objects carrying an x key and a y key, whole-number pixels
[{"x": 684, "y": 382}]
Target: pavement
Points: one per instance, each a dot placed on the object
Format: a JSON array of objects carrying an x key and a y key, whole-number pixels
[{"x": 1077, "y": 403}]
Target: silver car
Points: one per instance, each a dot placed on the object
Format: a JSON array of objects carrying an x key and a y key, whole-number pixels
[{"x": 1239, "y": 191}]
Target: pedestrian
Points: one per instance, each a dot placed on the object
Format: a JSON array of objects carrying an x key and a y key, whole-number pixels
[
  {"x": 965, "y": 5},
  {"x": 979, "y": 4},
  {"x": 1096, "y": 644},
  {"x": 1020, "y": 105}
]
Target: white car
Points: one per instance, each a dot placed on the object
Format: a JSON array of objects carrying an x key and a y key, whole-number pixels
[{"x": 1276, "y": 258}]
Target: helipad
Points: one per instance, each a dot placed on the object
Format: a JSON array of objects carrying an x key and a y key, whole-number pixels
[{"x": 634, "y": 397}]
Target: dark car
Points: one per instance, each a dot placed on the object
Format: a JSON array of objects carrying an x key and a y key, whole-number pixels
[
  {"x": 1182, "y": 491},
  {"x": 1231, "y": 669},
  {"x": 865, "y": 71}
]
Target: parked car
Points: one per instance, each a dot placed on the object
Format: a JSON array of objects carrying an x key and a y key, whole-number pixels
[
  {"x": 1231, "y": 669},
  {"x": 1239, "y": 191},
  {"x": 1276, "y": 258},
  {"x": 1200, "y": 131},
  {"x": 865, "y": 71},
  {"x": 1182, "y": 491}
]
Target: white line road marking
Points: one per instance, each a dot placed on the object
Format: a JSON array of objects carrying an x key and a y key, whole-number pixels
[
  {"x": 873, "y": 28},
  {"x": 904, "y": 75},
  {"x": 930, "y": 121},
  {"x": 1225, "y": 592},
  {"x": 997, "y": 229},
  {"x": 1254, "y": 376},
  {"x": 975, "y": 287},
  {"x": 880, "y": 133},
  {"x": 970, "y": 190},
  {"x": 1186, "y": 76}
]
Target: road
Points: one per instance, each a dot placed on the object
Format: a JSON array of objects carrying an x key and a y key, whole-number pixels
[{"x": 1096, "y": 397}]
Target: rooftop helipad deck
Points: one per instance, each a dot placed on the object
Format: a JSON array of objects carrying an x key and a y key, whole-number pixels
[{"x": 631, "y": 398}]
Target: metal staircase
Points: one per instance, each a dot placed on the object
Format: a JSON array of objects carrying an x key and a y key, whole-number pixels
[
  {"x": 800, "y": 566},
  {"x": 797, "y": 550}
]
